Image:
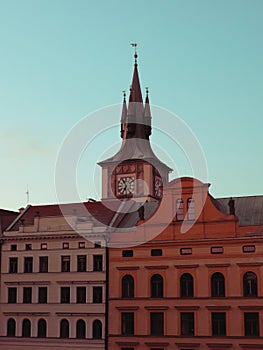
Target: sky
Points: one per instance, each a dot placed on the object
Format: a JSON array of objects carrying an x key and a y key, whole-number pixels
[{"x": 63, "y": 60}]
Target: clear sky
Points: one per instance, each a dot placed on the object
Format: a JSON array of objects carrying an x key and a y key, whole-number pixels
[{"x": 63, "y": 59}]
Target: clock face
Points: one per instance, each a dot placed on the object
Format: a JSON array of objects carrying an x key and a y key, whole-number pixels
[
  {"x": 126, "y": 185},
  {"x": 158, "y": 187}
]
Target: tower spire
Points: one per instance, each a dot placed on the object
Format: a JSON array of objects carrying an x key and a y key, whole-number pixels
[
  {"x": 123, "y": 114},
  {"x": 135, "y": 92}
]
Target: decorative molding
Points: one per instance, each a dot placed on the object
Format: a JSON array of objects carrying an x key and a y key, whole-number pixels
[
  {"x": 127, "y": 307},
  {"x": 252, "y": 307},
  {"x": 190, "y": 266},
  {"x": 127, "y": 267},
  {"x": 250, "y": 264},
  {"x": 156, "y": 267},
  {"x": 191, "y": 345},
  {"x": 218, "y": 307},
  {"x": 218, "y": 265},
  {"x": 251, "y": 346},
  {"x": 156, "y": 307},
  {"x": 26, "y": 313},
  {"x": 125, "y": 343},
  {"x": 187, "y": 307},
  {"x": 156, "y": 343},
  {"x": 219, "y": 345}
]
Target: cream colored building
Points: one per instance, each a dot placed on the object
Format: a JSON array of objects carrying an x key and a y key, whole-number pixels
[{"x": 53, "y": 280}]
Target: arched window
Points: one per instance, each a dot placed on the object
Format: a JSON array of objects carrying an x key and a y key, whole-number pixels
[
  {"x": 250, "y": 284},
  {"x": 190, "y": 209},
  {"x": 26, "y": 328},
  {"x": 81, "y": 329},
  {"x": 11, "y": 328},
  {"x": 179, "y": 210},
  {"x": 217, "y": 285},
  {"x": 42, "y": 328},
  {"x": 64, "y": 329},
  {"x": 97, "y": 329},
  {"x": 156, "y": 286},
  {"x": 186, "y": 286},
  {"x": 127, "y": 286}
]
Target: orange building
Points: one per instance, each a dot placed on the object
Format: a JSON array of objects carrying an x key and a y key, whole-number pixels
[{"x": 187, "y": 271}]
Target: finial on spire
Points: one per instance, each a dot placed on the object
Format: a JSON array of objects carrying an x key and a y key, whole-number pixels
[
  {"x": 147, "y": 91},
  {"x": 124, "y": 95},
  {"x": 135, "y": 51}
]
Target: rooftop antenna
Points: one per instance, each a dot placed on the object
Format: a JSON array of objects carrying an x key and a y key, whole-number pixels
[{"x": 27, "y": 195}]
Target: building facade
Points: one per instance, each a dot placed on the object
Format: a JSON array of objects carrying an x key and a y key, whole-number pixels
[{"x": 53, "y": 279}]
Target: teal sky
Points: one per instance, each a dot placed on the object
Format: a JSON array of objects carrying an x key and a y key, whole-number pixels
[{"x": 63, "y": 59}]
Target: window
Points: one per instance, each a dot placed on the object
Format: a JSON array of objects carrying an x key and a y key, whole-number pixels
[
  {"x": 190, "y": 209},
  {"x": 219, "y": 323},
  {"x": 251, "y": 324},
  {"x": 11, "y": 328},
  {"x": 28, "y": 265},
  {"x": 43, "y": 246},
  {"x": 42, "y": 328},
  {"x": 97, "y": 295},
  {"x": 81, "y": 245},
  {"x": 13, "y": 265},
  {"x": 156, "y": 286},
  {"x": 26, "y": 328},
  {"x": 65, "y": 263},
  {"x": 42, "y": 295},
  {"x": 249, "y": 249},
  {"x": 127, "y": 323},
  {"x": 27, "y": 295},
  {"x": 127, "y": 253},
  {"x": 43, "y": 264},
  {"x": 217, "y": 285},
  {"x": 97, "y": 329},
  {"x": 187, "y": 323},
  {"x": 12, "y": 295},
  {"x": 28, "y": 246},
  {"x": 64, "y": 329},
  {"x": 13, "y": 247},
  {"x": 82, "y": 263},
  {"x": 179, "y": 210},
  {"x": 81, "y": 329},
  {"x": 217, "y": 250},
  {"x": 65, "y": 245},
  {"x": 185, "y": 251},
  {"x": 127, "y": 286},
  {"x": 81, "y": 295},
  {"x": 97, "y": 244},
  {"x": 186, "y": 286},
  {"x": 156, "y": 321},
  {"x": 250, "y": 285},
  {"x": 65, "y": 295},
  {"x": 156, "y": 252},
  {"x": 97, "y": 262}
]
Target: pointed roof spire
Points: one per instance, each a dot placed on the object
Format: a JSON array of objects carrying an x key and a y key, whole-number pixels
[
  {"x": 124, "y": 109},
  {"x": 135, "y": 94},
  {"x": 147, "y": 109}
]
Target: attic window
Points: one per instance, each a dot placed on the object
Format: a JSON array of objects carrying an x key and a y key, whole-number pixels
[
  {"x": 127, "y": 253},
  {"x": 28, "y": 246},
  {"x": 43, "y": 246},
  {"x": 156, "y": 252},
  {"x": 217, "y": 250},
  {"x": 249, "y": 249},
  {"x": 81, "y": 244},
  {"x": 13, "y": 247},
  {"x": 65, "y": 245},
  {"x": 97, "y": 244},
  {"x": 186, "y": 251}
]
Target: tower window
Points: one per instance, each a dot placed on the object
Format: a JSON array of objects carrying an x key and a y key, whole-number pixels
[
  {"x": 190, "y": 209},
  {"x": 179, "y": 210}
]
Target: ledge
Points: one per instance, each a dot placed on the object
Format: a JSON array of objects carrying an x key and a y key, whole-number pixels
[
  {"x": 252, "y": 307},
  {"x": 127, "y": 307},
  {"x": 127, "y": 267},
  {"x": 193, "y": 266},
  {"x": 252, "y": 346},
  {"x": 156, "y": 343},
  {"x": 250, "y": 264},
  {"x": 187, "y": 307},
  {"x": 218, "y": 307},
  {"x": 218, "y": 345},
  {"x": 191, "y": 345},
  {"x": 217, "y": 265},
  {"x": 160, "y": 267},
  {"x": 156, "y": 307}
]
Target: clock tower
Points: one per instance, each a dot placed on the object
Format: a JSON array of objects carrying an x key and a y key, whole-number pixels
[{"x": 134, "y": 172}]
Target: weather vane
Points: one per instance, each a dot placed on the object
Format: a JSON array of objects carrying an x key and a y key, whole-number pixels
[{"x": 135, "y": 51}]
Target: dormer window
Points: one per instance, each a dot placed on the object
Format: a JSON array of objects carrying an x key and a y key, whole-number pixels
[
  {"x": 190, "y": 209},
  {"x": 179, "y": 210}
]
